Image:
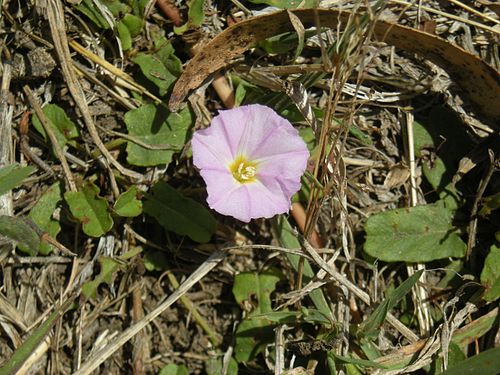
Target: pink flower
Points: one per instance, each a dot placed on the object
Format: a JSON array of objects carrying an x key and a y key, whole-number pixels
[{"x": 251, "y": 160}]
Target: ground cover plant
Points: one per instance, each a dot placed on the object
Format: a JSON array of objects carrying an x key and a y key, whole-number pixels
[{"x": 249, "y": 187}]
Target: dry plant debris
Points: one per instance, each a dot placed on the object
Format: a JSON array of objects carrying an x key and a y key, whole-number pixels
[{"x": 111, "y": 260}]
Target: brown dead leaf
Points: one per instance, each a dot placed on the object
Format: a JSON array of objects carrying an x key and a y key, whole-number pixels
[
  {"x": 397, "y": 176},
  {"x": 477, "y": 79}
]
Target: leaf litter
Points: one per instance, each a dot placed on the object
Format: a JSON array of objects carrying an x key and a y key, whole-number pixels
[{"x": 111, "y": 260}]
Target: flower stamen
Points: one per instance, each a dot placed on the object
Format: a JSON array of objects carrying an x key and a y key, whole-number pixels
[{"x": 243, "y": 170}]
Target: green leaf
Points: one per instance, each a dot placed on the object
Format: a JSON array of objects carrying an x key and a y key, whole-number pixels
[
  {"x": 371, "y": 326},
  {"x": 42, "y": 215},
  {"x": 490, "y": 276},
  {"x": 490, "y": 204},
  {"x": 475, "y": 329},
  {"x": 90, "y": 210},
  {"x": 359, "y": 134},
  {"x": 64, "y": 129},
  {"x": 445, "y": 134},
  {"x": 134, "y": 24},
  {"x": 251, "y": 285},
  {"x": 172, "y": 369},
  {"x": 139, "y": 7},
  {"x": 179, "y": 214},
  {"x": 16, "y": 229},
  {"x": 281, "y": 317},
  {"x": 108, "y": 267},
  {"x": 12, "y": 175},
  {"x": 436, "y": 173},
  {"x": 117, "y": 7},
  {"x": 154, "y": 70},
  {"x": 195, "y": 17},
  {"x": 166, "y": 53},
  {"x": 455, "y": 355},
  {"x": 351, "y": 369},
  {"x": 370, "y": 349},
  {"x": 124, "y": 35},
  {"x": 416, "y": 234},
  {"x": 88, "y": 8},
  {"x": 243, "y": 88},
  {"x": 254, "y": 333},
  {"x": 156, "y": 260},
  {"x": 127, "y": 205},
  {"x": 156, "y": 126},
  {"x": 357, "y": 361},
  {"x": 312, "y": 316},
  {"x": 485, "y": 363},
  {"x": 308, "y": 137},
  {"x": 283, "y": 43},
  {"x": 162, "y": 67},
  {"x": 422, "y": 138},
  {"x": 252, "y": 337}
]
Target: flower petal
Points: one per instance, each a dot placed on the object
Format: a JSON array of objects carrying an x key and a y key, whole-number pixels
[
  {"x": 267, "y": 199},
  {"x": 246, "y": 201},
  {"x": 217, "y": 145},
  {"x": 252, "y": 201},
  {"x": 281, "y": 185},
  {"x": 291, "y": 165},
  {"x": 268, "y": 134},
  {"x": 260, "y": 135},
  {"x": 210, "y": 149},
  {"x": 224, "y": 194}
]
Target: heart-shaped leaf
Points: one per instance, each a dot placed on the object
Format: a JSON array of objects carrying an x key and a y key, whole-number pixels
[{"x": 179, "y": 214}]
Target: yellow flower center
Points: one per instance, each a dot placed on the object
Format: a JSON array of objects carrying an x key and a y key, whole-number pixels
[{"x": 243, "y": 170}]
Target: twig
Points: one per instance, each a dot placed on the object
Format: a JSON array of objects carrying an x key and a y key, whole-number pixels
[
  {"x": 279, "y": 347},
  {"x": 52, "y": 137},
  {"x": 224, "y": 90},
  {"x": 299, "y": 214},
  {"x": 26, "y": 149},
  {"x": 171, "y": 11},
  {"x": 140, "y": 344}
]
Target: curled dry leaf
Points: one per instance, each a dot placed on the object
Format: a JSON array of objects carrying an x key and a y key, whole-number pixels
[{"x": 479, "y": 80}]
